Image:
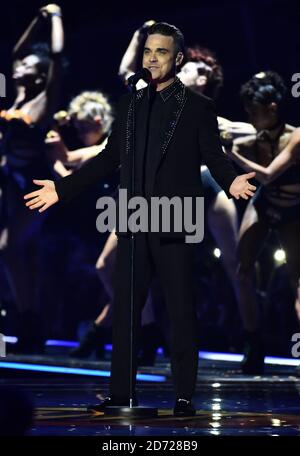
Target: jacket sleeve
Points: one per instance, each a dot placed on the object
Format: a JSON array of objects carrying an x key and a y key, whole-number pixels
[
  {"x": 213, "y": 155},
  {"x": 103, "y": 164}
]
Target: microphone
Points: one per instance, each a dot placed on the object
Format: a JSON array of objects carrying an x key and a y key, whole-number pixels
[{"x": 141, "y": 74}]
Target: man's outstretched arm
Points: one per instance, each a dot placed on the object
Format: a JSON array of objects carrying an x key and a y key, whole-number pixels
[{"x": 68, "y": 187}]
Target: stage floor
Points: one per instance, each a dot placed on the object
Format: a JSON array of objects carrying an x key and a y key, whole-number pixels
[{"x": 228, "y": 403}]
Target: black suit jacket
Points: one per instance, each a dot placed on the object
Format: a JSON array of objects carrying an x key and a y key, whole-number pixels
[{"x": 190, "y": 139}]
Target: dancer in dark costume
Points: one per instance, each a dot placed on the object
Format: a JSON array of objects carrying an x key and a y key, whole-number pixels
[
  {"x": 273, "y": 153},
  {"x": 36, "y": 74}
]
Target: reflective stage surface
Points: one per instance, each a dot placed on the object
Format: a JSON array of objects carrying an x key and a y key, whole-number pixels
[{"x": 227, "y": 403}]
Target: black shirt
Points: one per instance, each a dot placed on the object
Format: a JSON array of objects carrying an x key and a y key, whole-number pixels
[{"x": 151, "y": 121}]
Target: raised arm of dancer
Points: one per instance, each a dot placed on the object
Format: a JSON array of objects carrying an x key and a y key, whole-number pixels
[
  {"x": 129, "y": 63},
  {"x": 60, "y": 155},
  {"x": 29, "y": 35},
  {"x": 287, "y": 157},
  {"x": 54, "y": 76},
  {"x": 79, "y": 156}
]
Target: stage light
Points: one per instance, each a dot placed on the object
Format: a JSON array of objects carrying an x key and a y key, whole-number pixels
[
  {"x": 279, "y": 256},
  {"x": 276, "y": 422},
  {"x": 215, "y": 425},
  {"x": 216, "y": 407},
  {"x": 61, "y": 343},
  {"x": 275, "y": 361},
  {"x": 213, "y": 356},
  {"x": 217, "y": 253},
  {"x": 72, "y": 370},
  {"x": 236, "y": 358},
  {"x": 10, "y": 339}
]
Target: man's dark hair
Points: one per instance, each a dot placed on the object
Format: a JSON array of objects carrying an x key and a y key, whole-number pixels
[
  {"x": 165, "y": 29},
  {"x": 264, "y": 88}
]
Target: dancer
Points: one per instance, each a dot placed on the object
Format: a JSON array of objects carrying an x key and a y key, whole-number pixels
[
  {"x": 272, "y": 153},
  {"x": 36, "y": 73}
]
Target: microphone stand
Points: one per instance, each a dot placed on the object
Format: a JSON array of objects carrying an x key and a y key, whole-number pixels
[{"x": 132, "y": 411}]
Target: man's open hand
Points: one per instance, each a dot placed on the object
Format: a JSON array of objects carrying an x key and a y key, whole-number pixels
[
  {"x": 240, "y": 187},
  {"x": 43, "y": 198}
]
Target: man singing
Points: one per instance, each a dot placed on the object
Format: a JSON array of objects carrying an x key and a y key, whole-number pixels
[{"x": 171, "y": 131}]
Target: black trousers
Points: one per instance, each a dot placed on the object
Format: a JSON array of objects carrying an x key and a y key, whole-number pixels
[{"x": 173, "y": 261}]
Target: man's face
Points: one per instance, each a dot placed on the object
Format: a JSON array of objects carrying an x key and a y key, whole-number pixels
[{"x": 160, "y": 57}]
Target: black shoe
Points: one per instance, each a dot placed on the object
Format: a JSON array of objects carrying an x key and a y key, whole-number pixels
[
  {"x": 253, "y": 362},
  {"x": 111, "y": 402},
  {"x": 92, "y": 340},
  {"x": 184, "y": 407}
]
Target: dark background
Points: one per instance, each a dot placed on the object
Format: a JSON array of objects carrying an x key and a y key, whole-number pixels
[{"x": 247, "y": 36}]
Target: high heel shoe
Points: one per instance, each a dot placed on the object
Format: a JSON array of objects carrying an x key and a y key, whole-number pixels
[
  {"x": 93, "y": 340},
  {"x": 253, "y": 362}
]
